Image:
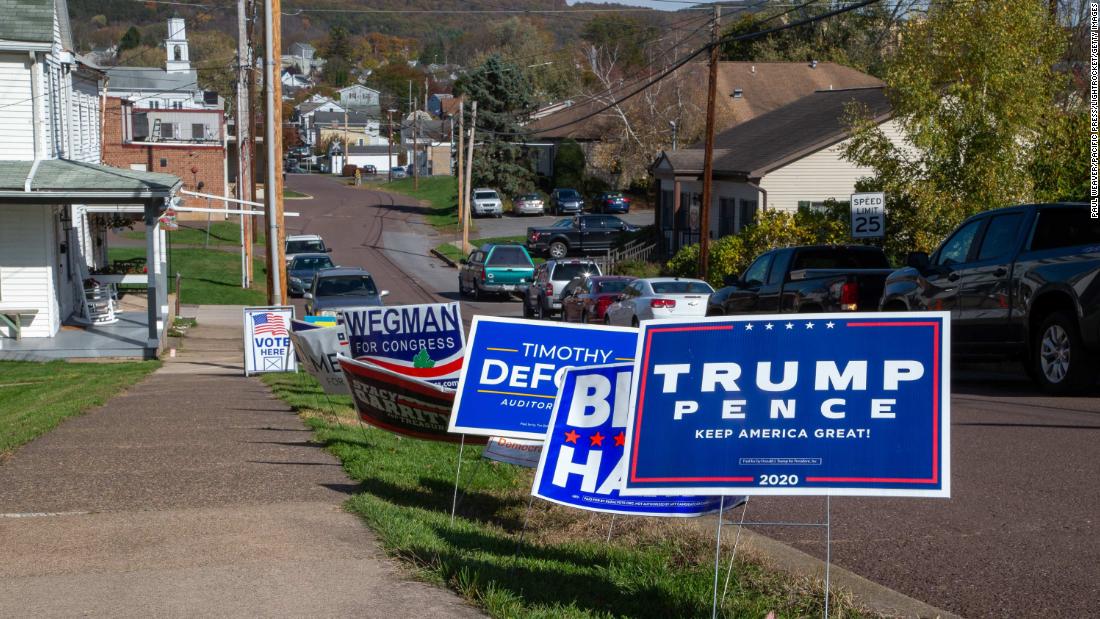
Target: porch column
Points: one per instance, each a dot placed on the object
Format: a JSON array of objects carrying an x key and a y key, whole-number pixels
[
  {"x": 153, "y": 305},
  {"x": 676, "y": 206}
]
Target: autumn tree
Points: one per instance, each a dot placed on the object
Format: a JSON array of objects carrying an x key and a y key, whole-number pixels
[
  {"x": 974, "y": 90},
  {"x": 503, "y": 96}
]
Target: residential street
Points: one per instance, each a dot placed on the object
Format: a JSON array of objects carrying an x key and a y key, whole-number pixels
[
  {"x": 1023, "y": 507},
  {"x": 197, "y": 493}
]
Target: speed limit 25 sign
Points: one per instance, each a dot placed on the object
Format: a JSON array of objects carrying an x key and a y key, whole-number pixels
[{"x": 868, "y": 215}]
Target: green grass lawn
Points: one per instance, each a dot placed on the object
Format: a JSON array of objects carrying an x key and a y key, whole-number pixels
[
  {"x": 36, "y": 397},
  {"x": 290, "y": 193},
  {"x": 653, "y": 567},
  {"x": 441, "y": 192},
  {"x": 210, "y": 276},
  {"x": 222, "y": 233}
]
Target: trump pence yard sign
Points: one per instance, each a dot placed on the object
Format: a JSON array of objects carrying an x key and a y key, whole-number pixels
[{"x": 842, "y": 404}]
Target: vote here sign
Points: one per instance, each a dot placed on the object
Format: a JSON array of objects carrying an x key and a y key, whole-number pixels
[
  {"x": 842, "y": 404},
  {"x": 512, "y": 368}
]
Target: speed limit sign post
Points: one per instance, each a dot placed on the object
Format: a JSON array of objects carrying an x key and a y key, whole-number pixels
[{"x": 868, "y": 215}]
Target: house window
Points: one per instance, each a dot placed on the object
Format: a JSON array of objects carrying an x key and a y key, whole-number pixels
[
  {"x": 167, "y": 131},
  {"x": 198, "y": 131},
  {"x": 156, "y": 104},
  {"x": 746, "y": 213},
  {"x": 727, "y": 216},
  {"x": 813, "y": 207},
  {"x": 360, "y": 141},
  {"x": 164, "y": 163}
]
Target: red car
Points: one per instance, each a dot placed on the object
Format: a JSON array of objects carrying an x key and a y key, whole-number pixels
[{"x": 585, "y": 299}]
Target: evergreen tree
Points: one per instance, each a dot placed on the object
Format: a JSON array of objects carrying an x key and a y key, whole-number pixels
[
  {"x": 503, "y": 96},
  {"x": 130, "y": 39}
]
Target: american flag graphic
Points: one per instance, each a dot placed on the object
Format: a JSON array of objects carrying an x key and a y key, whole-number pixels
[{"x": 269, "y": 323}]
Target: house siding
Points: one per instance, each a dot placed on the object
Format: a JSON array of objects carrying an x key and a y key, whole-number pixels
[
  {"x": 16, "y": 134},
  {"x": 26, "y": 267},
  {"x": 819, "y": 176}
]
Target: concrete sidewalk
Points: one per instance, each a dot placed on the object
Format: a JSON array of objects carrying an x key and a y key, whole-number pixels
[{"x": 195, "y": 493}]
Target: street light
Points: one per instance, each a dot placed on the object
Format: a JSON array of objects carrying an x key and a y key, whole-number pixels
[
  {"x": 672, "y": 125},
  {"x": 389, "y": 147}
]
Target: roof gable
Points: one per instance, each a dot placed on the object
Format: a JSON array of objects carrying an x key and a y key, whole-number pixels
[{"x": 28, "y": 21}]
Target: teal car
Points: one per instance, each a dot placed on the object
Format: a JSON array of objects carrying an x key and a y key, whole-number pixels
[{"x": 495, "y": 269}]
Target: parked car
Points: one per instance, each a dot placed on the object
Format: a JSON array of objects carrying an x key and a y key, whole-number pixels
[
  {"x": 486, "y": 203},
  {"x": 581, "y": 234},
  {"x": 586, "y": 299},
  {"x": 300, "y": 271},
  {"x": 341, "y": 288},
  {"x": 495, "y": 268},
  {"x": 813, "y": 278},
  {"x": 659, "y": 298},
  {"x": 1020, "y": 282},
  {"x": 398, "y": 172},
  {"x": 368, "y": 170},
  {"x": 528, "y": 204},
  {"x": 304, "y": 244},
  {"x": 611, "y": 202},
  {"x": 543, "y": 296},
  {"x": 564, "y": 201}
]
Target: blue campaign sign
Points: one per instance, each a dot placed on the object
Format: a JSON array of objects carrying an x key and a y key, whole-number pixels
[
  {"x": 812, "y": 404},
  {"x": 509, "y": 378},
  {"x": 583, "y": 460},
  {"x": 425, "y": 342}
]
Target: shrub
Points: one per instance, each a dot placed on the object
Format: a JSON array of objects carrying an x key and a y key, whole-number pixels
[{"x": 637, "y": 269}]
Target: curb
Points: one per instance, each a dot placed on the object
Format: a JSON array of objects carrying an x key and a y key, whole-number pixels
[
  {"x": 787, "y": 559},
  {"x": 450, "y": 263}
]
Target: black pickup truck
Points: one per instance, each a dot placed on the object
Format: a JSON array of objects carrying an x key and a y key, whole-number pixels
[
  {"x": 808, "y": 279},
  {"x": 579, "y": 235},
  {"x": 1020, "y": 282}
]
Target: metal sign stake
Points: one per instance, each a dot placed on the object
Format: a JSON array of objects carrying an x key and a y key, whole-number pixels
[
  {"x": 717, "y": 555},
  {"x": 828, "y": 548},
  {"x": 609, "y": 528},
  {"x": 736, "y": 541},
  {"x": 458, "y": 471}
]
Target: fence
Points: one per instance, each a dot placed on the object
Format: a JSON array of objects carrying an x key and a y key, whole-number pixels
[{"x": 634, "y": 251}]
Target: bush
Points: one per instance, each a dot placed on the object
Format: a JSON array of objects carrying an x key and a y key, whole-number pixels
[
  {"x": 568, "y": 165},
  {"x": 637, "y": 269}
]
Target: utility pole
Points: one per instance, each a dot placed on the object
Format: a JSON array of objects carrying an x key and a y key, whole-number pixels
[
  {"x": 244, "y": 138},
  {"x": 461, "y": 194},
  {"x": 708, "y": 153},
  {"x": 389, "y": 146},
  {"x": 410, "y": 95},
  {"x": 416, "y": 150},
  {"x": 346, "y": 151},
  {"x": 253, "y": 116},
  {"x": 273, "y": 136},
  {"x": 425, "y": 94},
  {"x": 469, "y": 179}
]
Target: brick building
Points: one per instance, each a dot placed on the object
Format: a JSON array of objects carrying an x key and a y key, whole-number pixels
[{"x": 160, "y": 120}]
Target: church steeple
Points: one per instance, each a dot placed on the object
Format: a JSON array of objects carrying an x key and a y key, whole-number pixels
[{"x": 176, "y": 47}]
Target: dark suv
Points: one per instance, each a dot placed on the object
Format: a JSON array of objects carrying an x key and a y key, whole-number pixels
[
  {"x": 1019, "y": 282},
  {"x": 543, "y": 296}
]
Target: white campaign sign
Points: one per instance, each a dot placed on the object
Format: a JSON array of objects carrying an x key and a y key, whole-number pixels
[
  {"x": 517, "y": 451},
  {"x": 317, "y": 347},
  {"x": 868, "y": 215},
  {"x": 267, "y": 345}
]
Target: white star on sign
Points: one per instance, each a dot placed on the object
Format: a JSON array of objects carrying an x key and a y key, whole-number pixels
[
  {"x": 748, "y": 327},
  {"x": 829, "y": 325},
  {"x": 769, "y": 326},
  {"x": 789, "y": 326},
  {"x": 809, "y": 325}
]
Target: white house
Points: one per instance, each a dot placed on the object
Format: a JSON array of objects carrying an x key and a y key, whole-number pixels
[
  {"x": 303, "y": 56},
  {"x": 305, "y": 111},
  {"x": 786, "y": 159},
  {"x": 57, "y": 200},
  {"x": 358, "y": 96}
]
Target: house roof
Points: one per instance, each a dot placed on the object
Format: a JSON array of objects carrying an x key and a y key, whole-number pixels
[
  {"x": 27, "y": 20},
  {"x": 150, "y": 78},
  {"x": 764, "y": 86},
  {"x": 309, "y": 106},
  {"x": 60, "y": 178},
  {"x": 369, "y": 149},
  {"x": 791, "y": 132},
  {"x": 357, "y": 87},
  {"x": 353, "y": 118}
]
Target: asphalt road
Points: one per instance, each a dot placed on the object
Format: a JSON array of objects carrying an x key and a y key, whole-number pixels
[
  {"x": 510, "y": 225},
  {"x": 1019, "y": 538}
]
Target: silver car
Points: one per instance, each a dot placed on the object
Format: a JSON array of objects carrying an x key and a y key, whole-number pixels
[
  {"x": 486, "y": 203},
  {"x": 528, "y": 204}
]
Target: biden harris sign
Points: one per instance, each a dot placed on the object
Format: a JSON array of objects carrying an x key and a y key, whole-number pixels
[
  {"x": 813, "y": 404},
  {"x": 510, "y": 375},
  {"x": 583, "y": 460}
]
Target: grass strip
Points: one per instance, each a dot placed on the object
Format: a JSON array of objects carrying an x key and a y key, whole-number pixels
[
  {"x": 36, "y": 397},
  {"x": 440, "y": 192},
  {"x": 210, "y": 276},
  {"x": 454, "y": 253},
  {"x": 222, "y": 234},
  {"x": 290, "y": 193},
  {"x": 654, "y": 567}
]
